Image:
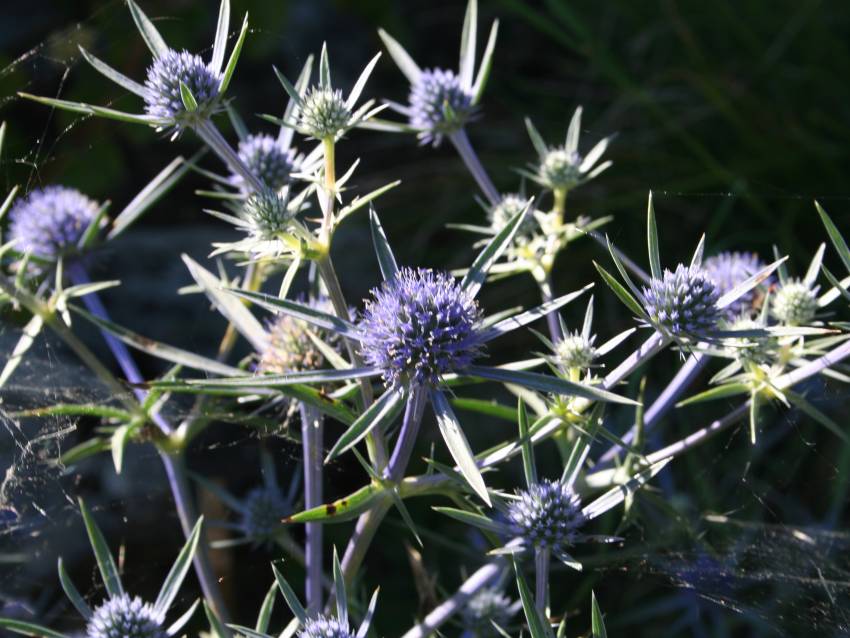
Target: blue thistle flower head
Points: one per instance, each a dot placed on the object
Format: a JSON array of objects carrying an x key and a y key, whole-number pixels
[
  {"x": 163, "y": 99},
  {"x": 324, "y": 627},
  {"x": 323, "y": 113},
  {"x": 489, "y": 605},
  {"x": 547, "y": 514},
  {"x": 267, "y": 158},
  {"x": 795, "y": 303},
  {"x": 418, "y": 326},
  {"x": 682, "y": 303},
  {"x": 439, "y": 104},
  {"x": 262, "y": 511},
  {"x": 51, "y": 221},
  {"x": 125, "y": 617},
  {"x": 727, "y": 270}
]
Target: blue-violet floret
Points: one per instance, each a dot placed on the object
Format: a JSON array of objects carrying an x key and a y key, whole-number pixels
[
  {"x": 324, "y": 627},
  {"x": 266, "y": 158},
  {"x": 125, "y": 617},
  {"x": 438, "y": 104},
  {"x": 163, "y": 99},
  {"x": 682, "y": 303},
  {"x": 548, "y": 514}
]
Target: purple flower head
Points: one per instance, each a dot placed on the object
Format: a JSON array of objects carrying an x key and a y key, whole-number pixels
[
  {"x": 419, "y": 325},
  {"x": 488, "y": 606},
  {"x": 163, "y": 99},
  {"x": 324, "y": 627},
  {"x": 682, "y": 303},
  {"x": 51, "y": 221},
  {"x": 125, "y": 617},
  {"x": 266, "y": 158},
  {"x": 727, "y": 270},
  {"x": 439, "y": 104},
  {"x": 547, "y": 514},
  {"x": 262, "y": 511}
]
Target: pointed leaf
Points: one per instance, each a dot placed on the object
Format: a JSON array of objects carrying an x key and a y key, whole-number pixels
[
  {"x": 290, "y": 596},
  {"x": 234, "y": 58},
  {"x": 118, "y": 442},
  {"x": 836, "y": 237},
  {"x": 574, "y": 131},
  {"x": 529, "y": 468},
  {"x": 748, "y": 284},
  {"x": 324, "y": 68},
  {"x": 652, "y": 241},
  {"x": 363, "y": 631},
  {"x": 266, "y": 609},
  {"x": 477, "y": 273},
  {"x": 386, "y": 259},
  {"x": 404, "y": 62},
  {"x": 458, "y": 445},
  {"x": 112, "y": 74},
  {"x": 617, "y": 495},
  {"x": 218, "y": 629},
  {"x": 814, "y": 267},
  {"x": 537, "y": 627},
  {"x": 536, "y": 139},
  {"x": 486, "y": 65},
  {"x": 29, "y": 629},
  {"x": 696, "y": 260},
  {"x": 467, "y": 44},
  {"x": 71, "y": 592},
  {"x": 171, "y": 586},
  {"x": 339, "y": 592},
  {"x": 383, "y": 411},
  {"x": 471, "y": 518},
  {"x": 361, "y": 82},
  {"x": 149, "y": 33},
  {"x": 178, "y": 624},
  {"x": 105, "y": 562},
  {"x": 221, "y": 31},
  {"x": 28, "y": 335},
  {"x": 517, "y": 321}
]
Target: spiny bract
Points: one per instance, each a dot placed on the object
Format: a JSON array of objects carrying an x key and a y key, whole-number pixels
[
  {"x": 728, "y": 269},
  {"x": 547, "y": 514},
  {"x": 438, "y": 104},
  {"x": 267, "y": 159},
  {"x": 125, "y": 617},
  {"x": 682, "y": 303},
  {"x": 323, "y": 113},
  {"x": 163, "y": 99},
  {"x": 419, "y": 325},
  {"x": 51, "y": 221},
  {"x": 324, "y": 627},
  {"x": 795, "y": 303}
]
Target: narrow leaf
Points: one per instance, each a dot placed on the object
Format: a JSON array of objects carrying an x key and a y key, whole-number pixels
[
  {"x": 171, "y": 585},
  {"x": 221, "y": 30},
  {"x": 486, "y": 65},
  {"x": 404, "y": 62},
  {"x": 386, "y": 259},
  {"x": 234, "y": 58},
  {"x": 290, "y": 596},
  {"x": 112, "y": 74},
  {"x": 149, "y": 33},
  {"x": 382, "y": 411},
  {"x": 529, "y": 467},
  {"x": 105, "y": 562},
  {"x": 836, "y": 237},
  {"x": 652, "y": 241},
  {"x": 476, "y": 274},
  {"x": 71, "y": 592},
  {"x": 468, "y": 44}
]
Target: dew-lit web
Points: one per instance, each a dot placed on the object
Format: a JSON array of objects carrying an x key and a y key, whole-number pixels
[{"x": 774, "y": 577}]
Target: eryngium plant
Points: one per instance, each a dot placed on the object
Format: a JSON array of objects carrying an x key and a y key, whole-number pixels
[{"x": 422, "y": 336}]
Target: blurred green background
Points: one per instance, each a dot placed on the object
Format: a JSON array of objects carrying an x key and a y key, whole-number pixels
[{"x": 736, "y": 114}]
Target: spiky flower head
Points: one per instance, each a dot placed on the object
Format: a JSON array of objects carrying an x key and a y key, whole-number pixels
[
  {"x": 267, "y": 212},
  {"x": 268, "y": 159},
  {"x": 323, "y": 113},
  {"x": 683, "y": 302},
  {"x": 487, "y": 606},
  {"x": 575, "y": 351},
  {"x": 51, "y": 221},
  {"x": 560, "y": 169},
  {"x": 439, "y": 104},
  {"x": 419, "y": 325},
  {"x": 508, "y": 207},
  {"x": 125, "y": 617},
  {"x": 324, "y": 627},
  {"x": 290, "y": 348},
  {"x": 163, "y": 98},
  {"x": 263, "y": 508},
  {"x": 727, "y": 270},
  {"x": 795, "y": 303},
  {"x": 547, "y": 514}
]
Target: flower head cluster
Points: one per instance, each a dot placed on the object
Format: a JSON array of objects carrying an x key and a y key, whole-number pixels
[
  {"x": 325, "y": 627},
  {"x": 683, "y": 302},
  {"x": 419, "y": 325},
  {"x": 267, "y": 213},
  {"x": 51, "y": 221},
  {"x": 323, "y": 113},
  {"x": 727, "y": 270},
  {"x": 163, "y": 96},
  {"x": 795, "y": 303},
  {"x": 560, "y": 168},
  {"x": 125, "y": 617},
  {"x": 575, "y": 350},
  {"x": 267, "y": 158},
  {"x": 489, "y": 605},
  {"x": 509, "y": 207},
  {"x": 547, "y": 514},
  {"x": 262, "y": 511},
  {"x": 439, "y": 104}
]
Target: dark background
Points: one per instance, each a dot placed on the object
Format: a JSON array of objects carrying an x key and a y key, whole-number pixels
[{"x": 734, "y": 113}]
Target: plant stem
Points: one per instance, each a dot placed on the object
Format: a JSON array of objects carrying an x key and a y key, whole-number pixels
[
  {"x": 449, "y": 607},
  {"x": 311, "y": 437},
  {"x": 213, "y": 138},
  {"x": 542, "y": 558},
  {"x": 665, "y": 401},
  {"x": 407, "y": 436},
  {"x": 464, "y": 148}
]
